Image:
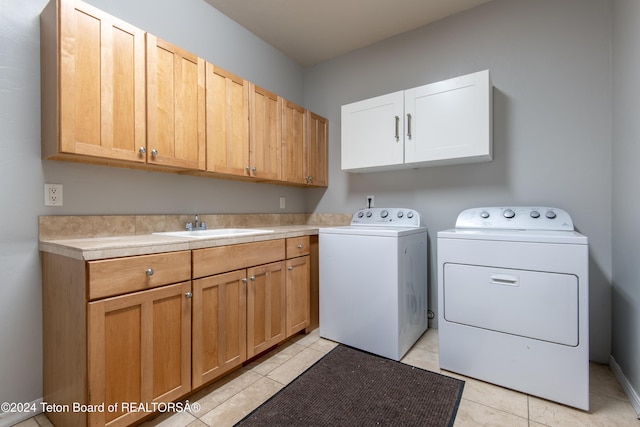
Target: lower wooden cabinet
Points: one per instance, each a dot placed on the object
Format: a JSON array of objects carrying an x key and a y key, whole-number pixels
[
  {"x": 139, "y": 350},
  {"x": 265, "y": 307},
  {"x": 297, "y": 292},
  {"x": 219, "y": 325},
  {"x": 161, "y": 329}
]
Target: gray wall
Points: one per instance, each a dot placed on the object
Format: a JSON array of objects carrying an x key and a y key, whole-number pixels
[
  {"x": 626, "y": 182},
  {"x": 549, "y": 62},
  {"x": 191, "y": 24}
]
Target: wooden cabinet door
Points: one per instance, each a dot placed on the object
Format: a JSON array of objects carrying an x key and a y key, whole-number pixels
[
  {"x": 139, "y": 350},
  {"x": 293, "y": 160},
  {"x": 265, "y": 114},
  {"x": 265, "y": 307},
  {"x": 297, "y": 294},
  {"x": 175, "y": 106},
  {"x": 227, "y": 122},
  {"x": 373, "y": 133},
  {"x": 316, "y": 150},
  {"x": 219, "y": 325},
  {"x": 101, "y": 83}
]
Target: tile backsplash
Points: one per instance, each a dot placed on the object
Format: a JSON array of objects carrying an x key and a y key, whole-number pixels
[{"x": 81, "y": 226}]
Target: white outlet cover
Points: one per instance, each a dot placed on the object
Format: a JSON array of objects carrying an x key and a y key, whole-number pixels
[{"x": 53, "y": 194}]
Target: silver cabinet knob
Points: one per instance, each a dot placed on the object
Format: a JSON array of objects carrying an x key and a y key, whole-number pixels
[
  {"x": 290, "y": 268},
  {"x": 254, "y": 169},
  {"x": 300, "y": 246},
  {"x": 247, "y": 168},
  {"x": 188, "y": 294},
  {"x": 142, "y": 150},
  {"x": 149, "y": 271},
  {"x": 252, "y": 278},
  {"x": 244, "y": 280},
  {"x": 154, "y": 152}
]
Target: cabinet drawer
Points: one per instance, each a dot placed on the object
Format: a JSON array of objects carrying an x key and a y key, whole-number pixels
[
  {"x": 297, "y": 246},
  {"x": 210, "y": 261},
  {"x": 122, "y": 275}
]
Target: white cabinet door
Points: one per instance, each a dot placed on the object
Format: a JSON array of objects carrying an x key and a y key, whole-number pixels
[
  {"x": 372, "y": 133},
  {"x": 449, "y": 121}
]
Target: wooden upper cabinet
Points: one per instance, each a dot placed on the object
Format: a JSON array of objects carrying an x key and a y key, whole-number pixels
[
  {"x": 293, "y": 161},
  {"x": 175, "y": 106},
  {"x": 93, "y": 84},
  {"x": 265, "y": 133},
  {"x": 227, "y": 122},
  {"x": 316, "y": 150}
]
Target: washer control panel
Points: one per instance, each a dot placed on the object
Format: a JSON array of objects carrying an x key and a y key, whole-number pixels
[
  {"x": 396, "y": 217},
  {"x": 518, "y": 218}
]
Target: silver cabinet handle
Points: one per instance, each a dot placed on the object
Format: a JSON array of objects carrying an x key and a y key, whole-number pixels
[
  {"x": 188, "y": 295},
  {"x": 149, "y": 272},
  {"x": 290, "y": 268},
  {"x": 244, "y": 280},
  {"x": 252, "y": 278},
  {"x": 300, "y": 246},
  {"x": 254, "y": 169},
  {"x": 142, "y": 150},
  {"x": 397, "y": 128},
  {"x": 409, "y": 125},
  {"x": 247, "y": 168},
  {"x": 154, "y": 152}
]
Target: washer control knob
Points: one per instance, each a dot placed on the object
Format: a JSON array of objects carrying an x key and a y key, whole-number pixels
[
  {"x": 535, "y": 214},
  {"x": 384, "y": 214},
  {"x": 550, "y": 214},
  {"x": 369, "y": 214},
  {"x": 484, "y": 214},
  {"x": 400, "y": 214},
  {"x": 509, "y": 214},
  {"x": 409, "y": 214},
  {"x": 360, "y": 214}
]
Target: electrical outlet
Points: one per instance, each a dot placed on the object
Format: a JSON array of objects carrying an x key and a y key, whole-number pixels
[
  {"x": 283, "y": 202},
  {"x": 370, "y": 202},
  {"x": 53, "y": 194}
]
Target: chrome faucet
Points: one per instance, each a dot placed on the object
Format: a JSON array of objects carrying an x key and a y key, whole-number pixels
[{"x": 197, "y": 225}]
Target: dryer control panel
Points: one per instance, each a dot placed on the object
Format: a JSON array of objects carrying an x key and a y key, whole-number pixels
[
  {"x": 396, "y": 217},
  {"x": 518, "y": 218}
]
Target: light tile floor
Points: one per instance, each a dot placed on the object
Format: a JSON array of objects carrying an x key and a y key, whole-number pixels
[{"x": 227, "y": 401}]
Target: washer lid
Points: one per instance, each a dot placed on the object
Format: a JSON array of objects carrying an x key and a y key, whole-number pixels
[
  {"x": 535, "y": 236},
  {"x": 372, "y": 230}
]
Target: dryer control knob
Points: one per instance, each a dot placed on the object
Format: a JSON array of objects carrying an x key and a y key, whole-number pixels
[
  {"x": 509, "y": 214},
  {"x": 550, "y": 214},
  {"x": 369, "y": 214},
  {"x": 360, "y": 214},
  {"x": 484, "y": 214},
  {"x": 410, "y": 214},
  {"x": 400, "y": 214},
  {"x": 384, "y": 214},
  {"x": 535, "y": 214}
]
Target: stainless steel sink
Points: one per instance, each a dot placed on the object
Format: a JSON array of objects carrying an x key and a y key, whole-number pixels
[{"x": 214, "y": 232}]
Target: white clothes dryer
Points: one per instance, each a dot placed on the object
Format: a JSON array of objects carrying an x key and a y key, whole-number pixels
[
  {"x": 513, "y": 304},
  {"x": 373, "y": 281}
]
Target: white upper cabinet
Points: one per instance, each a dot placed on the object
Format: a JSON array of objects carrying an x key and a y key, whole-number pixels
[
  {"x": 447, "y": 122},
  {"x": 372, "y": 133}
]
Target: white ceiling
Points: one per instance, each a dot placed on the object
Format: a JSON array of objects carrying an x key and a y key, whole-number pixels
[{"x": 312, "y": 31}]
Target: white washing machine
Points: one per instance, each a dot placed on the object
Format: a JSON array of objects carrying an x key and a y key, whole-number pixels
[
  {"x": 513, "y": 301},
  {"x": 373, "y": 281}
]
